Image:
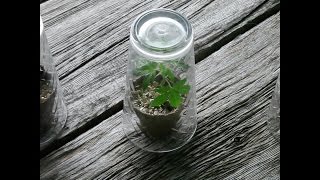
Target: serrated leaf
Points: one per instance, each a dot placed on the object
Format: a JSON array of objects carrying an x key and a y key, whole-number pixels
[
  {"x": 170, "y": 74},
  {"x": 180, "y": 83},
  {"x": 162, "y": 89},
  {"x": 166, "y": 72},
  {"x": 162, "y": 69},
  {"x": 174, "y": 99},
  {"x": 153, "y": 65},
  {"x": 146, "y": 81},
  {"x": 181, "y": 87},
  {"x": 159, "y": 100},
  {"x": 184, "y": 89},
  {"x": 149, "y": 68},
  {"x": 144, "y": 68}
]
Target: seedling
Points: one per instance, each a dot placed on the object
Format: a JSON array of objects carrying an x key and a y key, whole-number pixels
[{"x": 167, "y": 88}]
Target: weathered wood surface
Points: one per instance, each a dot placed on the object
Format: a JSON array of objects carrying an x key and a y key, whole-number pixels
[
  {"x": 89, "y": 40},
  {"x": 234, "y": 87}
]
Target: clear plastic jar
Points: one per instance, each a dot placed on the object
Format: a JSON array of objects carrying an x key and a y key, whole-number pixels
[
  {"x": 159, "y": 103},
  {"x": 53, "y": 112}
]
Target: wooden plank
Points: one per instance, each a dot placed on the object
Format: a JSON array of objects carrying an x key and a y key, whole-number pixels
[
  {"x": 87, "y": 32},
  {"x": 80, "y": 31},
  {"x": 234, "y": 87},
  {"x": 267, "y": 163}
]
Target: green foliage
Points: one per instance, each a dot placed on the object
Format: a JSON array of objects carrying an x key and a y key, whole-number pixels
[
  {"x": 173, "y": 94},
  {"x": 166, "y": 72},
  {"x": 159, "y": 100},
  {"x": 149, "y": 72},
  {"x": 170, "y": 89},
  {"x": 181, "y": 88}
]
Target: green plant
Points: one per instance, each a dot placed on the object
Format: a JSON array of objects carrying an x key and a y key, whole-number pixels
[
  {"x": 169, "y": 89},
  {"x": 173, "y": 94}
]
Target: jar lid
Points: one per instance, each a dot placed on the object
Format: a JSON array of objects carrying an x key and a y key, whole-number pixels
[{"x": 161, "y": 34}]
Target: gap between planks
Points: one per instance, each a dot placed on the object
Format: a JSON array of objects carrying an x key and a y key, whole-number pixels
[{"x": 199, "y": 56}]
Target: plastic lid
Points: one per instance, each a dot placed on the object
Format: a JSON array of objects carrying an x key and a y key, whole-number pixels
[{"x": 161, "y": 34}]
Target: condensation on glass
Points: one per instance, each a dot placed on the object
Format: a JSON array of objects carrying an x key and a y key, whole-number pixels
[
  {"x": 53, "y": 112},
  {"x": 159, "y": 103}
]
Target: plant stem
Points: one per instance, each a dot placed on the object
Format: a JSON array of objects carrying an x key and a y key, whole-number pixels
[
  {"x": 162, "y": 82},
  {"x": 168, "y": 82}
]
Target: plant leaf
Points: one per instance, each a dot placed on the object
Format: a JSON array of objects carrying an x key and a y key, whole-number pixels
[
  {"x": 174, "y": 99},
  {"x": 162, "y": 89},
  {"x": 159, "y": 100},
  {"x": 184, "y": 89},
  {"x": 170, "y": 74},
  {"x": 147, "y": 79},
  {"x": 162, "y": 69},
  {"x": 149, "y": 68},
  {"x": 180, "y": 83},
  {"x": 180, "y": 87},
  {"x": 166, "y": 72}
]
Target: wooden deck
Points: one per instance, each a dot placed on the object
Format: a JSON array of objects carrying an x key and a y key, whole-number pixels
[{"x": 237, "y": 49}]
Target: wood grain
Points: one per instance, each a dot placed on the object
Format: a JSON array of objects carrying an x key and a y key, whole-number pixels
[
  {"x": 89, "y": 41},
  {"x": 234, "y": 87}
]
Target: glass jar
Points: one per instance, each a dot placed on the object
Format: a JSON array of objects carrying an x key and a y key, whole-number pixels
[
  {"x": 159, "y": 103},
  {"x": 274, "y": 112},
  {"x": 53, "y": 112}
]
